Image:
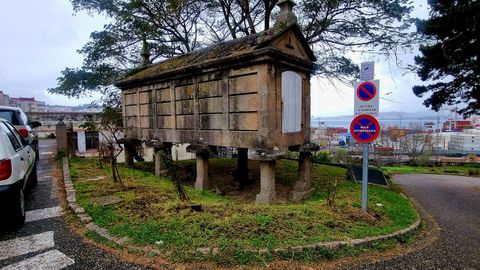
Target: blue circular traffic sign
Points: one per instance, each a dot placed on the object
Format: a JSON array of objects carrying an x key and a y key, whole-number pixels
[
  {"x": 366, "y": 91},
  {"x": 365, "y": 128}
]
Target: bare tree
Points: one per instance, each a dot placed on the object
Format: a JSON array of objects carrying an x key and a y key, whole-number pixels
[{"x": 417, "y": 145}]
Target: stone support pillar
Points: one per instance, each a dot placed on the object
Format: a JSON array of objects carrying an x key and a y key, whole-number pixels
[
  {"x": 303, "y": 187},
  {"x": 129, "y": 154},
  {"x": 242, "y": 168},
  {"x": 201, "y": 182},
  {"x": 161, "y": 151},
  {"x": 267, "y": 183},
  {"x": 159, "y": 165}
]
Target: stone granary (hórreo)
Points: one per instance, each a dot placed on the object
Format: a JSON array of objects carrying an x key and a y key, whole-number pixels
[{"x": 251, "y": 93}]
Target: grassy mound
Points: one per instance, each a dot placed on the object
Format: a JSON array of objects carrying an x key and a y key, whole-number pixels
[{"x": 151, "y": 215}]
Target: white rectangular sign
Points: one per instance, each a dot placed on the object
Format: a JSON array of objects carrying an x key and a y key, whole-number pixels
[
  {"x": 367, "y": 98},
  {"x": 367, "y": 71},
  {"x": 81, "y": 141}
]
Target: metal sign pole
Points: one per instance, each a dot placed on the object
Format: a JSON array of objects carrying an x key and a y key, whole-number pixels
[{"x": 365, "y": 178}]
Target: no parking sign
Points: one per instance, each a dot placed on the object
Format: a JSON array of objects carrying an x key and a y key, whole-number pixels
[
  {"x": 365, "y": 128},
  {"x": 367, "y": 98}
]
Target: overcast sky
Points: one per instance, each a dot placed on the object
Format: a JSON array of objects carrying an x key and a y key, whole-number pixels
[{"x": 41, "y": 38}]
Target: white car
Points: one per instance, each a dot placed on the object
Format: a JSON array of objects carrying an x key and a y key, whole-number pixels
[{"x": 17, "y": 169}]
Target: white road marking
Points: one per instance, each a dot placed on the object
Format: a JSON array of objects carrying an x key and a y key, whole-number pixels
[
  {"x": 24, "y": 245},
  {"x": 46, "y": 153},
  {"x": 43, "y": 213},
  {"x": 51, "y": 260}
]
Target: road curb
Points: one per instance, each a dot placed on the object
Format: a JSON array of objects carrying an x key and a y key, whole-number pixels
[{"x": 89, "y": 225}]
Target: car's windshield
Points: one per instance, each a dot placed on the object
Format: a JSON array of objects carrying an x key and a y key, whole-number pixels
[{"x": 11, "y": 116}]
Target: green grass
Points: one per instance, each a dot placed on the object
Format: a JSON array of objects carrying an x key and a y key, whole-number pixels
[
  {"x": 150, "y": 212},
  {"x": 468, "y": 169}
]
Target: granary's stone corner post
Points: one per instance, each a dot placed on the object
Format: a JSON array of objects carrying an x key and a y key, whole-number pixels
[
  {"x": 303, "y": 186},
  {"x": 202, "y": 153},
  {"x": 241, "y": 174},
  {"x": 268, "y": 160},
  {"x": 162, "y": 152},
  {"x": 129, "y": 153},
  {"x": 267, "y": 193}
]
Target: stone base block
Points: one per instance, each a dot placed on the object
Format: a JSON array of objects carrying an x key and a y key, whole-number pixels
[
  {"x": 265, "y": 198},
  {"x": 298, "y": 196}
]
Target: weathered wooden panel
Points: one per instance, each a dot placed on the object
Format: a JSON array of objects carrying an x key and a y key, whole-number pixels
[
  {"x": 185, "y": 92},
  {"x": 291, "y": 102},
  {"x": 243, "y": 103},
  {"x": 211, "y": 105},
  {"x": 184, "y": 107},
  {"x": 164, "y": 108},
  {"x": 243, "y": 84},
  {"x": 245, "y": 139},
  {"x": 210, "y": 89},
  {"x": 145, "y": 97},
  {"x": 165, "y": 122},
  {"x": 243, "y": 121},
  {"x": 186, "y": 122},
  {"x": 131, "y": 99},
  {"x": 146, "y": 133},
  {"x": 131, "y": 110},
  {"x": 213, "y": 137},
  {"x": 146, "y": 121},
  {"x": 146, "y": 109},
  {"x": 212, "y": 121},
  {"x": 164, "y": 95},
  {"x": 131, "y": 121}
]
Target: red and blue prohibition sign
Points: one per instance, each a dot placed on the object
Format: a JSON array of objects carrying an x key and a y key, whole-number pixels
[
  {"x": 365, "y": 128},
  {"x": 366, "y": 91}
]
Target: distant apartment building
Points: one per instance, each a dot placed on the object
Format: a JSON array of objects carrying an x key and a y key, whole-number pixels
[
  {"x": 334, "y": 131},
  {"x": 466, "y": 141},
  {"x": 4, "y": 99},
  {"x": 28, "y": 104},
  {"x": 457, "y": 125}
]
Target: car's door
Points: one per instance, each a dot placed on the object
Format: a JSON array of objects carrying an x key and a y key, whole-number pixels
[{"x": 27, "y": 148}]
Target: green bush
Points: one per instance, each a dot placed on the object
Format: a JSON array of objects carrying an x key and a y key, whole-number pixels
[
  {"x": 322, "y": 156},
  {"x": 474, "y": 172},
  {"x": 341, "y": 156}
]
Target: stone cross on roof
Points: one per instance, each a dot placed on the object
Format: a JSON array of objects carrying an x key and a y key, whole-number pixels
[{"x": 286, "y": 16}]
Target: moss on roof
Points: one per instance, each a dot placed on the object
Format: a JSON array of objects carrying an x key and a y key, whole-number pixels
[{"x": 231, "y": 48}]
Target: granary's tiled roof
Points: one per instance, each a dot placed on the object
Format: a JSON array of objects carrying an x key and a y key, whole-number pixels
[{"x": 224, "y": 50}]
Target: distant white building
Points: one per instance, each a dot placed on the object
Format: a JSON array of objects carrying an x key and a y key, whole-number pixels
[
  {"x": 442, "y": 139},
  {"x": 28, "y": 104},
  {"x": 466, "y": 141},
  {"x": 4, "y": 99}
]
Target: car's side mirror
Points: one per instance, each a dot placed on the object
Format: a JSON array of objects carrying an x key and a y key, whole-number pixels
[{"x": 35, "y": 124}]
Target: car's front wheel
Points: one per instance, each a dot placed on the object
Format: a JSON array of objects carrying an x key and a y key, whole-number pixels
[{"x": 19, "y": 208}]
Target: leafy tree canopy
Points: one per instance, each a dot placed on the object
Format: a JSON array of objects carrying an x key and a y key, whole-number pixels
[
  {"x": 450, "y": 60},
  {"x": 144, "y": 31}
]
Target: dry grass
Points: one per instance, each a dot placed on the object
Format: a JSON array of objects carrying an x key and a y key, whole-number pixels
[{"x": 150, "y": 212}]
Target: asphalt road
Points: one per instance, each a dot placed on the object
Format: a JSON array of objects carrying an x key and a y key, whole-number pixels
[
  {"x": 45, "y": 241},
  {"x": 454, "y": 203}
]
